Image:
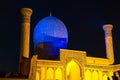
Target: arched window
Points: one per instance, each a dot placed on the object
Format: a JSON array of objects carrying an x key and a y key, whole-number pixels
[
  {"x": 58, "y": 74},
  {"x": 50, "y": 74},
  {"x": 95, "y": 75},
  {"x": 105, "y": 77},
  {"x": 88, "y": 75}
]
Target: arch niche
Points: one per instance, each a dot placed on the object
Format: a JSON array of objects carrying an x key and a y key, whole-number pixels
[{"x": 73, "y": 71}]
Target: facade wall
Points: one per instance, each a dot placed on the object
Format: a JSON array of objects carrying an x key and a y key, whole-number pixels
[{"x": 73, "y": 66}]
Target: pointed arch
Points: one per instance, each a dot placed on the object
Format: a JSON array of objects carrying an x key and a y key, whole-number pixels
[
  {"x": 58, "y": 74},
  {"x": 105, "y": 77},
  {"x": 73, "y": 71},
  {"x": 88, "y": 75},
  {"x": 50, "y": 74},
  {"x": 95, "y": 75}
]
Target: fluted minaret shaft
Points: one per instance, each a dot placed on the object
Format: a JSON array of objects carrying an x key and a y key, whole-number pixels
[
  {"x": 108, "y": 41},
  {"x": 25, "y": 32}
]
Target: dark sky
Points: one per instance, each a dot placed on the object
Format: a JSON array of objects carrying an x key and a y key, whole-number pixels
[{"x": 83, "y": 19}]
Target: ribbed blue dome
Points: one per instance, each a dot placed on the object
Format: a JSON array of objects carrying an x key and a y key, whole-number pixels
[{"x": 50, "y": 29}]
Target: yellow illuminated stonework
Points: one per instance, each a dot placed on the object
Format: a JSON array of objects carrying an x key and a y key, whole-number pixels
[{"x": 72, "y": 65}]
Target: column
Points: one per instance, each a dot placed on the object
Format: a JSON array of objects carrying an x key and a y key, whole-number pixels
[{"x": 108, "y": 41}]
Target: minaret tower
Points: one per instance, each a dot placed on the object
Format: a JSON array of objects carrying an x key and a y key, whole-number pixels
[
  {"x": 109, "y": 44},
  {"x": 25, "y": 34}
]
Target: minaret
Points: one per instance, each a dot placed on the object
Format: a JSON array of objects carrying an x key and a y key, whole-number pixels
[
  {"x": 25, "y": 39},
  {"x": 108, "y": 41},
  {"x": 25, "y": 32}
]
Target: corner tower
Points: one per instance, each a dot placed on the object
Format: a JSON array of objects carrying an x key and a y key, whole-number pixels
[{"x": 50, "y": 34}]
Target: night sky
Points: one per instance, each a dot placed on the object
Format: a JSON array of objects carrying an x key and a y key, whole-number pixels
[{"x": 83, "y": 19}]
